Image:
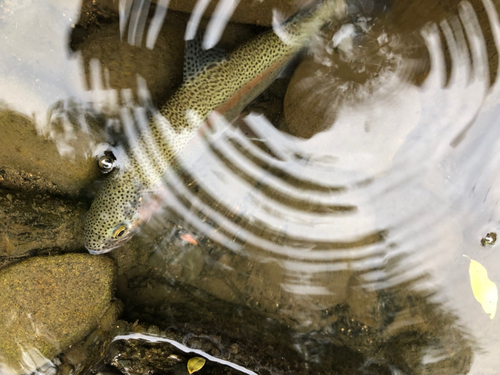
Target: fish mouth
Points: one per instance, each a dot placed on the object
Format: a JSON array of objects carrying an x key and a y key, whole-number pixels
[
  {"x": 107, "y": 246},
  {"x": 98, "y": 252}
]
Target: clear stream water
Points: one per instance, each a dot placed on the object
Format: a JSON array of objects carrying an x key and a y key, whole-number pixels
[{"x": 396, "y": 181}]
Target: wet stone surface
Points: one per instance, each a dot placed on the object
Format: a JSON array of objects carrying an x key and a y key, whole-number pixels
[
  {"x": 160, "y": 67},
  {"x": 59, "y": 156},
  {"x": 128, "y": 62},
  {"x": 13, "y": 179},
  {"x": 340, "y": 74},
  {"x": 248, "y": 12},
  {"x": 49, "y": 303},
  {"x": 33, "y": 223}
]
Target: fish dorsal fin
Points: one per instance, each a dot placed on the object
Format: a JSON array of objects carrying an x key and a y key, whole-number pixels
[{"x": 197, "y": 59}]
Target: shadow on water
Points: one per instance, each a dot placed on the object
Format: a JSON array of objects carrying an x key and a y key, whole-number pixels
[{"x": 323, "y": 230}]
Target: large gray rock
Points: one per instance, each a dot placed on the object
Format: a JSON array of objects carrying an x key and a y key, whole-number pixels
[{"x": 48, "y": 304}]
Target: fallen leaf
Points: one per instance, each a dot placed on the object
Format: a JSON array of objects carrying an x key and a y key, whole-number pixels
[
  {"x": 485, "y": 291},
  {"x": 188, "y": 238},
  {"x": 195, "y": 364}
]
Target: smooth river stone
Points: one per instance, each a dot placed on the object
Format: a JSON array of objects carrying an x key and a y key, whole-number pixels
[
  {"x": 62, "y": 157},
  {"x": 48, "y": 304}
]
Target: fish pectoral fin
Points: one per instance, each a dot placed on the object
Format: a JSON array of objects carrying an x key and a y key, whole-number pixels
[{"x": 197, "y": 59}]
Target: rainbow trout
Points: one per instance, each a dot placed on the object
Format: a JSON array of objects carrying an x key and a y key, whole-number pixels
[{"x": 211, "y": 83}]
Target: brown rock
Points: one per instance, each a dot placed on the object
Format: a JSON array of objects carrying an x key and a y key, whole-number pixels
[
  {"x": 122, "y": 62},
  {"x": 39, "y": 222},
  {"x": 306, "y": 112},
  {"x": 255, "y": 12},
  {"x": 61, "y": 154},
  {"x": 333, "y": 77},
  {"x": 48, "y": 304},
  {"x": 161, "y": 67},
  {"x": 362, "y": 300}
]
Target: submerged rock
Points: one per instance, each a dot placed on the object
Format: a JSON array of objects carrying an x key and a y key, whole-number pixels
[
  {"x": 142, "y": 353},
  {"x": 123, "y": 59},
  {"x": 48, "y": 304},
  {"x": 351, "y": 68},
  {"x": 37, "y": 222},
  {"x": 250, "y": 12},
  {"x": 160, "y": 67},
  {"x": 255, "y": 12},
  {"x": 263, "y": 13},
  {"x": 60, "y": 153},
  {"x": 148, "y": 349},
  {"x": 13, "y": 179}
]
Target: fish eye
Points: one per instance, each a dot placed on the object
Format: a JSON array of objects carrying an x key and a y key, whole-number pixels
[
  {"x": 107, "y": 162},
  {"x": 119, "y": 231}
]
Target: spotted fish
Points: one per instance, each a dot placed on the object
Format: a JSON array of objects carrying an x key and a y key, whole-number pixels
[{"x": 225, "y": 84}]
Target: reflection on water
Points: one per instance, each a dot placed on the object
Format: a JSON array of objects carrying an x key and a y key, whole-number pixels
[{"x": 338, "y": 205}]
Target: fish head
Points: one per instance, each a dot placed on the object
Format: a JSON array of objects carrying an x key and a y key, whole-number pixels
[{"x": 120, "y": 207}]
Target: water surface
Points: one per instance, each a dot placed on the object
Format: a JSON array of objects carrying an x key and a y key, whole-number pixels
[{"x": 346, "y": 202}]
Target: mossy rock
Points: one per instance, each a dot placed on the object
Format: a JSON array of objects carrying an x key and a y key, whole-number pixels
[{"x": 48, "y": 304}]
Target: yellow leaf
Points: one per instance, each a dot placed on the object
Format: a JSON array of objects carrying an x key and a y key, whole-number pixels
[
  {"x": 195, "y": 364},
  {"x": 485, "y": 290}
]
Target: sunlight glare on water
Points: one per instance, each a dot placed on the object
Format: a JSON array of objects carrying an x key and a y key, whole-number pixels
[{"x": 395, "y": 205}]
